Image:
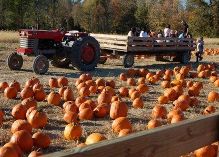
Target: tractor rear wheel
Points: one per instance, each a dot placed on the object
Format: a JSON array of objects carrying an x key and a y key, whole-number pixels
[
  {"x": 15, "y": 61},
  {"x": 60, "y": 62},
  {"x": 40, "y": 64},
  {"x": 85, "y": 53}
]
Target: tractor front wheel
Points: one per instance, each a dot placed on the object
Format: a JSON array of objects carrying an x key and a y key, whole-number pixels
[
  {"x": 40, "y": 65},
  {"x": 15, "y": 61},
  {"x": 85, "y": 53}
]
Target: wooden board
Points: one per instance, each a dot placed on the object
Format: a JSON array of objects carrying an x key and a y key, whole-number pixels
[{"x": 168, "y": 141}]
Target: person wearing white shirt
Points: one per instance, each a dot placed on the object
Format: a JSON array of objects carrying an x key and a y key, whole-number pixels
[
  {"x": 167, "y": 31},
  {"x": 132, "y": 32},
  {"x": 143, "y": 33}
]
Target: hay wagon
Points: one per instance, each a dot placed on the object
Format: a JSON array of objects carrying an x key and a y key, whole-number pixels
[{"x": 174, "y": 49}]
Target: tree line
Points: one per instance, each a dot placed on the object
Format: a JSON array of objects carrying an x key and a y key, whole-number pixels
[{"x": 111, "y": 16}]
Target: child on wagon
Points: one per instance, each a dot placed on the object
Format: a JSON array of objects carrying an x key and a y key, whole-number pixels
[{"x": 200, "y": 49}]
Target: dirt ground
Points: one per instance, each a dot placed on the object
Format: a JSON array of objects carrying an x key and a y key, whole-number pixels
[{"x": 111, "y": 70}]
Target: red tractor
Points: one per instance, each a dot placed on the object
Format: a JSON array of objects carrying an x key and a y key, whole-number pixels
[{"x": 76, "y": 48}]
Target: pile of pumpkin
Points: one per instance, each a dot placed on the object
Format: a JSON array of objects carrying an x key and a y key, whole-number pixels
[
  {"x": 109, "y": 102},
  {"x": 211, "y": 51}
]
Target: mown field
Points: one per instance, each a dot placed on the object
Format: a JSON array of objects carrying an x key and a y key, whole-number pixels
[{"x": 139, "y": 118}]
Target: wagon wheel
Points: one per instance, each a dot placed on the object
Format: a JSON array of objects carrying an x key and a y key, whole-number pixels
[
  {"x": 15, "y": 61},
  {"x": 60, "y": 62},
  {"x": 40, "y": 65},
  {"x": 128, "y": 60},
  {"x": 85, "y": 53},
  {"x": 185, "y": 57}
]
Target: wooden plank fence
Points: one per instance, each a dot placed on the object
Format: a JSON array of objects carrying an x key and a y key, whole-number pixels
[{"x": 167, "y": 141}]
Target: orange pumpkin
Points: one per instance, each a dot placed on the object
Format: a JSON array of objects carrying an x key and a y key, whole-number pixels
[
  {"x": 213, "y": 96},
  {"x": 120, "y": 124},
  {"x": 70, "y": 117},
  {"x": 141, "y": 80},
  {"x": 142, "y": 72},
  {"x": 181, "y": 104},
  {"x": 80, "y": 100},
  {"x": 165, "y": 84},
  {"x": 84, "y": 92},
  {"x": 123, "y": 92},
  {"x": 142, "y": 88},
  {"x": 171, "y": 94},
  {"x": 100, "y": 82},
  {"x": 111, "y": 83},
  {"x": 68, "y": 94},
  {"x": 15, "y": 147},
  {"x": 54, "y": 98},
  {"x": 62, "y": 81},
  {"x": 153, "y": 124},
  {"x": 138, "y": 103},
  {"x": 123, "y": 77},
  {"x": 37, "y": 119},
  {"x": 16, "y": 85},
  {"x": 169, "y": 72},
  {"x": 21, "y": 125},
  {"x": 159, "y": 111},
  {"x": 213, "y": 79},
  {"x": 163, "y": 99},
  {"x": 61, "y": 91},
  {"x": 216, "y": 83},
  {"x": 72, "y": 132},
  {"x": 94, "y": 138},
  {"x": 101, "y": 111},
  {"x": 8, "y": 152},
  {"x": 176, "y": 118},
  {"x": 193, "y": 91},
  {"x": 19, "y": 111},
  {"x": 41, "y": 140},
  {"x": 93, "y": 89},
  {"x": 115, "y": 98},
  {"x": 27, "y": 92},
  {"x": 39, "y": 95},
  {"x": 104, "y": 97},
  {"x": 209, "y": 110},
  {"x": 30, "y": 110},
  {"x": 174, "y": 112},
  {"x": 86, "y": 114},
  {"x": 3, "y": 85},
  {"x": 37, "y": 86},
  {"x": 53, "y": 82},
  {"x": 10, "y": 92},
  {"x": 124, "y": 132},
  {"x": 135, "y": 94},
  {"x": 70, "y": 106},
  {"x": 131, "y": 82},
  {"x": 118, "y": 109},
  {"x": 23, "y": 139},
  {"x": 207, "y": 151},
  {"x": 29, "y": 102}
]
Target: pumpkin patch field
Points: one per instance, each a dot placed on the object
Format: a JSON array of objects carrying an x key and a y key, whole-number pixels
[{"x": 66, "y": 108}]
